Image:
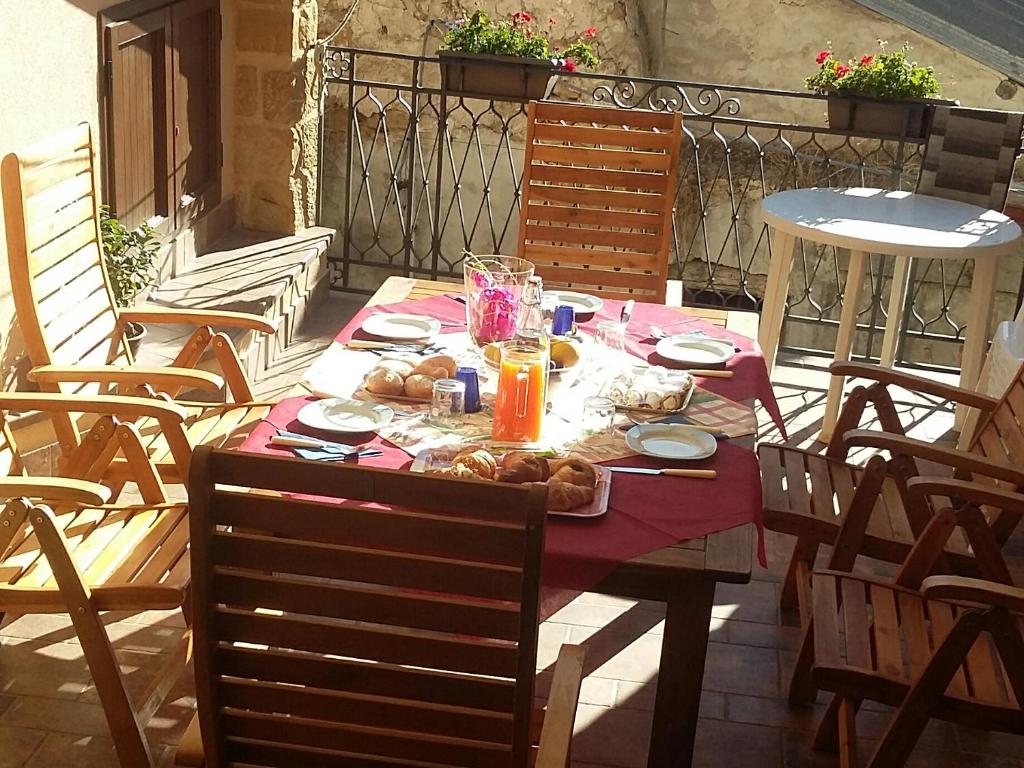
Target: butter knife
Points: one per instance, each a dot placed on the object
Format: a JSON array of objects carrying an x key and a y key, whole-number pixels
[{"x": 707, "y": 474}]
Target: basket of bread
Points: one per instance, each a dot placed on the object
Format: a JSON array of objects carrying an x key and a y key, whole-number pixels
[
  {"x": 651, "y": 388},
  {"x": 576, "y": 487},
  {"x": 399, "y": 379}
]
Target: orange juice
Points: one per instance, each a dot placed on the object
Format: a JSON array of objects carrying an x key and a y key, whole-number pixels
[{"x": 522, "y": 397}]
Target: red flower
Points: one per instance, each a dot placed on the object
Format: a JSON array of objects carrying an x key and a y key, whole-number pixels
[
  {"x": 822, "y": 56},
  {"x": 842, "y": 70},
  {"x": 521, "y": 17},
  {"x": 866, "y": 61},
  {"x": 590, "y": 33},
  {"x": 568, "y": 65},
  {"x": 552, "y": 20}
]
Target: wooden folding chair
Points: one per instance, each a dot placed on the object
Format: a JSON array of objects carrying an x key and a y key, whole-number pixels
[
  {"x": 64, "y": 550},
  {"x": 391, "y": 619},
  {"x": 72, "y": 328},
  {"x": 932, "y": 646},
  {"x": 812, "y": 496},
  {"x": 598, "y": 194}
]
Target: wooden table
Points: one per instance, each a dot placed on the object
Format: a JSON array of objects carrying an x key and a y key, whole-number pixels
[
  {"x": 682, "y": 576},
  {"x": 900, "y": 224}
]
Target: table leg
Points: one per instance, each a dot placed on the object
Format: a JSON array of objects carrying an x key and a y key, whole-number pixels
[
  {"x": 681, "y": 674},
  {"x": 979, "y": 315},
  {"x": 776, "y": 290},
  {"x": 897, "y": 298},
  {"x": 844, "y": 339}
]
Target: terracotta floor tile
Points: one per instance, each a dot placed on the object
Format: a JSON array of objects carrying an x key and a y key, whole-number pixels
[
  {"x": 722, "y": 744},
  {"x": 17, "y": 745},
  {"x": 772, "y": 712},
  {"x": 612, "y": 737},
  {"x": 619, "y": 656},
  {"x": 756, "y": 601},
  {"x": 741, "y": 669},
  {"x": 995, "y": 744},
  {"x": 763, "y": 635},
  {"x": 60, "y": 750},
  {"x": 56, "y": 715}
]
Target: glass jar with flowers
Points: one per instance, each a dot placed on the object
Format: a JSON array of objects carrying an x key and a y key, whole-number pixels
[
  {"x": 510, "y": 58},
  {"x": 494, "y": 286},
  {"x": 884, "y": 93}
]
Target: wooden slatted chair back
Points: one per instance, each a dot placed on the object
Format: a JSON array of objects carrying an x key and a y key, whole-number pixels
[
  {"x": 364, "y": 617},
  {"x": 598, "y": 193},
  {"x": 1000, "y": 437},
  {"x": 66, "y": 310}
]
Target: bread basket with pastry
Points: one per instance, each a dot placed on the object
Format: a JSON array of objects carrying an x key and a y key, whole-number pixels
[
  {"x": 576, "y": 487},
  {"x": 405, "y": 381},
  {"x": 650, "y": 388}
]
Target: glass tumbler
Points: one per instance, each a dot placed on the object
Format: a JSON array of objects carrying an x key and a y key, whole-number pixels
[
  {"x": 612, "y": 335},
  {"x": 598, "y": 415},
  {"x": 448, "y": 403}
]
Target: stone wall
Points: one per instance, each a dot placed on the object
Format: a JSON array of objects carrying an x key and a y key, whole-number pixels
[{"x": 275, "y": 113}]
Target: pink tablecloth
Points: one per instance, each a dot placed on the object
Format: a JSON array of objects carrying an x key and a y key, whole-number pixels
[{"x": 645, "y": 513}]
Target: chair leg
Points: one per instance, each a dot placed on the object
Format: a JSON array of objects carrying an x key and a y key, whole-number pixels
[
  {"x": 837, "y": 729},
  {"x": 125, "y": 727},
  {"x": 913, "y": 714},
  {"x": 802, "y": 689},
  {"x": 804, "y": 554}
]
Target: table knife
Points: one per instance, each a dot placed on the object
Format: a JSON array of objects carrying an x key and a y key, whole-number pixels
[{"x": 707, "y": 474}]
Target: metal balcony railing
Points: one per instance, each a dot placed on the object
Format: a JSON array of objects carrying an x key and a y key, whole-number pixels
[{"x": 411, "y": 176}]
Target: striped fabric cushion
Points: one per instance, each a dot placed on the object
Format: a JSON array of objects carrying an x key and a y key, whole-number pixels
[{"x": 970, "y": 155}]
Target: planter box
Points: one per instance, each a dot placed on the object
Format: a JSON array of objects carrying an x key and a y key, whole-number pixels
[
  {"x": 485, "y": 76},
  {"x": 856, "y": 114}
]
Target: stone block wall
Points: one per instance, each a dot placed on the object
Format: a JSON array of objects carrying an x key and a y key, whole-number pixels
[{"x": 275, "y": 113}]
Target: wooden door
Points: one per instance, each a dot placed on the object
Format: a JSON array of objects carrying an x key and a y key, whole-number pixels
[
  {"x": 139, "y": 178},
  {"x": 195, "y": 84}
]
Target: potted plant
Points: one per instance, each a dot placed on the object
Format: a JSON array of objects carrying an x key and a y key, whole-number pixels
[
  {"x": 130, "y": 258},
  {"x": 877, "y": 94},
  {"x": 510, "y": 58}
]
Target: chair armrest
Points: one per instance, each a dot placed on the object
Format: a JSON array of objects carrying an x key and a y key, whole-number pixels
[
  {"x": 914, "y": 383},
  {"x": 221, "y": 318},
  {"x": 971, "y": 462},
  {"x": 556, "y": 735},
  {"x": 976, "y": 493},
  {"x": 55, "y": 489},
  {"x": 963, "y": 589},
  {"x": 190, "y": 748},
  {"x": 135, "y": 376},
  {"x": 105, "y": 405}
]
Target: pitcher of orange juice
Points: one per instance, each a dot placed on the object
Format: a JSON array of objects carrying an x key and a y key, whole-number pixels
[{"x": 522, "y": 397}]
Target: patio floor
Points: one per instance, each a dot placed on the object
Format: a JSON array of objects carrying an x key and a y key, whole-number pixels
[{"x": 50, "y": 717}]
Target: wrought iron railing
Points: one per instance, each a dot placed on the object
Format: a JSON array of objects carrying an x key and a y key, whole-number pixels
[{"x": 411, "y": 176}]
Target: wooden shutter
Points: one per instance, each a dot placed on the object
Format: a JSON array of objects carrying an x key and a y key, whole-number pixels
[
  {"x": 196, "y": 98},
  {"x": 139, "y": 175}
]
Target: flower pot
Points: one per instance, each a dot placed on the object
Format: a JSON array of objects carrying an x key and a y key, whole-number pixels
[
  {"x": 861, "y": 115},
  {"x": 485, "y": 76},
  {"x": 134, "y": 333}
]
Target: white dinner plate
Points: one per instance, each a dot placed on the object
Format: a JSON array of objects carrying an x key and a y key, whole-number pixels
[
  {"x": 405, "y": 327},
  {"x": 340, "y": 414},
  {"x": 671, "y": 441},
  {"x": 581, "y": 303},
  {"x": 692, "y": 349}
]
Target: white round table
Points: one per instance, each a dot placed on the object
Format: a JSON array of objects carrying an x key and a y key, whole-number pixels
[{"x": 900, "y": 224}]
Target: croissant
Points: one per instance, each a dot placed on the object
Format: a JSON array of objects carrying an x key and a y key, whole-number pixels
[
  {"x": 565, "y": 496},
  {"x": 522, "y": 467},
  {"x": 479, "y": 462},
  {"x": 575, "y": 471},
  {"x": 456, "y": 470}
]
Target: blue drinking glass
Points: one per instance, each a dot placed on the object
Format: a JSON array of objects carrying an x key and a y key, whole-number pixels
[
  {"x": 469, "y": 377},
  {"x": 563, "y": 320}
]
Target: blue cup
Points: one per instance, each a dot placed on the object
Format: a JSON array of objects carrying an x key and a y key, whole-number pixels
[
  {"x": 563, "y": 320},
  {"x": 469, "y": 377}
]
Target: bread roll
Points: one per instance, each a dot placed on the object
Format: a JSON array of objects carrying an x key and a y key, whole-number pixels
[
  {"x": 429, "y": 366},
  {"x": 522, "y": 467},
  {"x": 479, "y": 461},
  {"x": 419, "y": 386},
  {"x": 401, "y": 367},
  {"x": 575, "y": 471},
  {"x": 383, "y": 381}
]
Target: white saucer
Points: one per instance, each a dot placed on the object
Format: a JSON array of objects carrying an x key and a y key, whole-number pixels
[
  {"x": 692, "y": 349},
  {"x": 340, "y": 414},
  {"x": 671, "y": 441},
  {"x": 581, "y": 303},
  {"x": 405, "y": 327}
]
